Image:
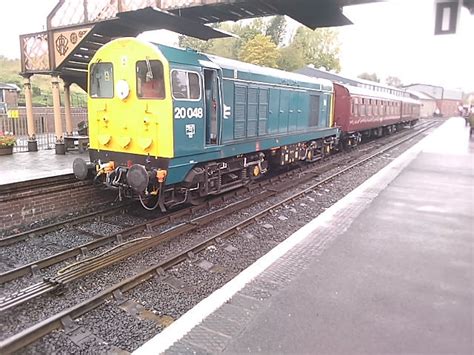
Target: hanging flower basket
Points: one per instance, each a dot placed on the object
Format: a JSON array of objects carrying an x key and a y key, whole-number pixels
[{"x": 7, "y": 141}]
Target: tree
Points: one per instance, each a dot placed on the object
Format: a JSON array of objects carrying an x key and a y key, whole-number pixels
[
  {"x": 319, "y": 47},
  {"x": 194, "y": 43},
  {"x": 276, "y": 29},
  {"x": 393, "y": 81},
  {"x": 261, "y": 51},
  {"x": 368, "y": 76},
  {"x": 291, "y": 58},
  {"x": 248, "y": 32},
  {"x": 229, "y": 47}
]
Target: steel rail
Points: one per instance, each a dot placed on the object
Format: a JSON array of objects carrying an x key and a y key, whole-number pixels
[
  {"x": 104, "y": 240},
  {"x": 58, "y": 282},
  {"x": 88, "y": 268},
  {"x": 39, "y": 231},
  {"x": 67, "y": 254},
  {"x": 35, "y": 332}
]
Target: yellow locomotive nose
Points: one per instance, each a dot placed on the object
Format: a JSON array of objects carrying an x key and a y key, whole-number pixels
[{"x": 130, "y": 101}]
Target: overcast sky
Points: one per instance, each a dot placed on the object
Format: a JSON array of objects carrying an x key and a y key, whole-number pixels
[{"x": 391, "y": 38}]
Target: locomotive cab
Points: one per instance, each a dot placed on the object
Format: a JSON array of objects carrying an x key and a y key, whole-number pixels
[{"x": 130, "y": 117}]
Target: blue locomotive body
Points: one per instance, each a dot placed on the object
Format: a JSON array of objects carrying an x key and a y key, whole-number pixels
[
  {"x": 246, "y": 109},
  {"x": 175, "y": 125}
]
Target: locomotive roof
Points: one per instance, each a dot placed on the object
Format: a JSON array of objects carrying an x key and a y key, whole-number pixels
[
  {"x": 192, "y": 57},
  {"x": 232, "y": 64},
  {"x": 357, "y": 90}
]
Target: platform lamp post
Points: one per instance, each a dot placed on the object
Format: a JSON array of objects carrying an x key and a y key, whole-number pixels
[
  {"x": 67, "y": 108},
  {"x": 30, "y": 120},
  {"x": 58, "y": 126}
]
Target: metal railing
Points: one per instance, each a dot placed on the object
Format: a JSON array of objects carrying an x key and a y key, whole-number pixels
[{"x": 44, "y": 126}]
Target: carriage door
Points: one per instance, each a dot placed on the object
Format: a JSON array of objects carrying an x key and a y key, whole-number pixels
[{"x": 211, "y": 89}]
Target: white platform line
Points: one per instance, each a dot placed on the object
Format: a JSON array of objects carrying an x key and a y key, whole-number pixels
[{"x": 367, "y": 190}]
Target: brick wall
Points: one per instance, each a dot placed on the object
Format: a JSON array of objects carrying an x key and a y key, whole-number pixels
[
  {"x": 35, "y": 205},
  {"x": 448, "y": 107}
]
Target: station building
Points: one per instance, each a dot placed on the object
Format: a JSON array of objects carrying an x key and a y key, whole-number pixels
[
  {"x": 428, "y": 103},
  {"x": 8, "y": 96},
  {"x": 447, "y": 100}
]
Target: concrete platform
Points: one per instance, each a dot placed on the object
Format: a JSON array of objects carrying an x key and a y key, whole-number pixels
[
  {"x": 23, "y": 166},
  {"x": 387, "y": 269}
]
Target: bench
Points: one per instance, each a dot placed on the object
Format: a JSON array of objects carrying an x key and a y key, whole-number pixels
[{"x": 82, "y": 143}]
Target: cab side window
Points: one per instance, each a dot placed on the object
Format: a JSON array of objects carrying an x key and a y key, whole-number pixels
[
  {"x": 186, "y": 85},
  {"x": 150, "y": 79},
  {"x": 101, "y": 80}
]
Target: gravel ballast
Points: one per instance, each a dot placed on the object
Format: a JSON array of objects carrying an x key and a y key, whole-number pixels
[{"x": 191, "y": 281}]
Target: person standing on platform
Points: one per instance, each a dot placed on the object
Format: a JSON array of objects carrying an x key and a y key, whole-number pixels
[{"x": 471, "y": 121}]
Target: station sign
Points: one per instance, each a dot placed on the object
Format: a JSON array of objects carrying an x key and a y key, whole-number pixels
[
  {"x": 13, "y": 114},
  {"x": 64, "y": 42},
  {"x": 447, "y": 13}
]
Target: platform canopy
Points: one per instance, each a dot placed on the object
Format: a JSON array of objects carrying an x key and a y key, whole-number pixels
[
  {"x": 76, "y": 29},
  {"x": 149, "y": 18},
  {"x": 311, "y": 13}
]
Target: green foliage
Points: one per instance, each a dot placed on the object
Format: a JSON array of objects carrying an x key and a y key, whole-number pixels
[
  {"x": 261, "y": 51},
  {"x": 40, "y": 85},
  {"x": 369, "y": 76},
  {"x": 276, "y": 29},
  {"x": 224, "y": 47},
  {"x": 9, "y": 69},
  {"x": 291, "y": 58},
  {"x": 194, "y": 43},
  {"x": 319, "y": 47}
]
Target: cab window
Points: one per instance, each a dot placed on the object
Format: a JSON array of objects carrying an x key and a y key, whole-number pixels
[
  {"x": 186, "y": 85},
  {"x": 150, "y": 80},
  {"x": 101, "y": 80}
]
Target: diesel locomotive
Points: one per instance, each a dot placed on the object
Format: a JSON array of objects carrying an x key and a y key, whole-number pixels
[{"x": 170, "y": 126}]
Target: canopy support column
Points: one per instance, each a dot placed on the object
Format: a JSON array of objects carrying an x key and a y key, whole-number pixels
[
  {"x": 30, "y": 120},
  {"x": 67, "y": 108},
  {"x": 58, "y": 126}
]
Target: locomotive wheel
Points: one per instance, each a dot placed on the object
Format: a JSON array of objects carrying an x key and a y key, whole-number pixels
[{"x": 345, "y": 145}]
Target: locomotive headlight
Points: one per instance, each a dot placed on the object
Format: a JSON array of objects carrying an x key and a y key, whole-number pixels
[{"x": 123, "y": 89}]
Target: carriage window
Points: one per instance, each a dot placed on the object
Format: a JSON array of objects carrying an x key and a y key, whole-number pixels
[
  {"x": 186, "y": 85},
  {"x": 102, "y": 80},
  {"x": 150, "y": 80}
]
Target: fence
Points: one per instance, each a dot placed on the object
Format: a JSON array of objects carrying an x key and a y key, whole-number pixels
[{"x": 44, "y": 124}]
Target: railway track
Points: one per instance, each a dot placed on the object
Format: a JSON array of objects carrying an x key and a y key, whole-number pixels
[
  {"x": 81, "y": 250},
  {"x": 42, "y": 230},
  {"x": 63, "y": 318}
]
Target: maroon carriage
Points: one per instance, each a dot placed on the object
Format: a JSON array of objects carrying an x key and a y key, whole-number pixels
[{"x": 361, "y": 112}]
